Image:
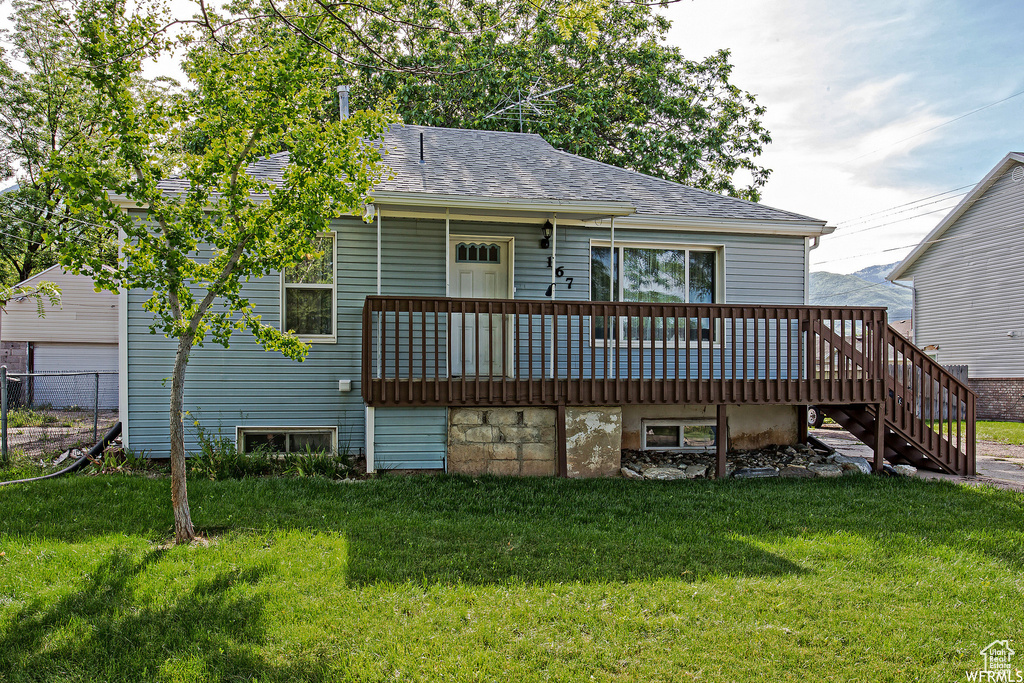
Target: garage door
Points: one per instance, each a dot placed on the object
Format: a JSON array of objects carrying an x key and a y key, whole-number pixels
[{"x": 80, "y": 390}]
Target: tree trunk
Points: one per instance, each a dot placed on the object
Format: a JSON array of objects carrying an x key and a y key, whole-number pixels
[{"x": 183, "y": 531}]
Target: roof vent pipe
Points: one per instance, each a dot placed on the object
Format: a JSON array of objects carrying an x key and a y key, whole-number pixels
[
  {"x": 343, "y": 101},
  {"x": 421, "y": 148}
]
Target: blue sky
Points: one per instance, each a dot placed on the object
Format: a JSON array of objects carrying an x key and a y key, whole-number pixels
[{"x": 846, "y": 83}]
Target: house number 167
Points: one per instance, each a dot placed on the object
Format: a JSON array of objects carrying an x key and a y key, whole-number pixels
[{"x": 559, "y": 272}]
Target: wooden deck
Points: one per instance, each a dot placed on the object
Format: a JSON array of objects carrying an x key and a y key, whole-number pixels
[{"x": 421, "y": 351}]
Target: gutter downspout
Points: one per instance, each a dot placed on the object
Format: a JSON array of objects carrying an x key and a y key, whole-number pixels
[
  {"x": 370, "y": 415},
  {"x": 447, "y": 294},
  {"x": 611, "y": 296},
  {"x": 808, "y": 247},
  {"x": 554, "y": 265},
  {"x": 913, "y": 309}
]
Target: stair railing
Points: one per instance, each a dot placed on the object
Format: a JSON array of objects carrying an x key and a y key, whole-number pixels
[{"x": 929, "y": 407}]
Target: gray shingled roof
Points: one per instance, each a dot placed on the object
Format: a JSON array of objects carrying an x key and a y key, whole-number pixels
[{"x": 524, "y": 166}]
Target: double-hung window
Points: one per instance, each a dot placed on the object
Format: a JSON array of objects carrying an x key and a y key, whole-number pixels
[
  {"x": 308, "y": 296},
  {"x": 654, "y": 275}
]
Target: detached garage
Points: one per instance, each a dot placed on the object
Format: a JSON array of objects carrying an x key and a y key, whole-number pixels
[{"x": 78, "y": 336}]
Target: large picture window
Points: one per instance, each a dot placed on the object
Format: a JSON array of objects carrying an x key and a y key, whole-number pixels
[
  {"x": 308, "y": 296},
  {"x": 658, "y": 276}
]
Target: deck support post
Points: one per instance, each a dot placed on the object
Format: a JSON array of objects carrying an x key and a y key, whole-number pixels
[
  {"x": 560, "y": 444},
  {"x": 879, "y": 440},
  {"x": 801, "y": 424},
  {"x": 720, "y": 443}
]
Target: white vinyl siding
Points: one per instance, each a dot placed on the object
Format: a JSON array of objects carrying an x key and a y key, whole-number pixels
[
  {"x": 83, "y": 314},
  {"x": 968, "y": 291},
  {"x": 245, "y": 384}
]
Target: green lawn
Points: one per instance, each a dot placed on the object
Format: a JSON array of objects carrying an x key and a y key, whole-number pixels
[
  {"x": 453, "y": 579},
  {"x": 1003, "y": 432}
]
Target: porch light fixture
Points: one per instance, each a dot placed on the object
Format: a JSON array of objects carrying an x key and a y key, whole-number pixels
[{"x": 546, "y": 229}]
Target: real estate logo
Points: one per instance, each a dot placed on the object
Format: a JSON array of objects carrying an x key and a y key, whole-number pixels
[{"x": 998, "y": 666}]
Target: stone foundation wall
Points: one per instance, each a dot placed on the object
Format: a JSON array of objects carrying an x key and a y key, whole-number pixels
[
  {"x": 15, "y": 356},
  {"x": 999, "y": 398},
  {"x": 503, "y": 441}
]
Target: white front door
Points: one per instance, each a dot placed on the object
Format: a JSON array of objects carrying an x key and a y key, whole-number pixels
[{"x": 479, "y": 270}]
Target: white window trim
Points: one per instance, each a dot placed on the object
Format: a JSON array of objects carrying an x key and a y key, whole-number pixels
[
  {"x": 717, "y": 249},
  {"x": 277, "y": 429},
  {"x": 331, "y": 338},
  {"x": 682, "y": 424}
]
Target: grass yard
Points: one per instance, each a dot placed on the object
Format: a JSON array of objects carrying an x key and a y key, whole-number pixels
[
  {"x": 454, "y": 579},
  {"x": 1003, "y": 432}
]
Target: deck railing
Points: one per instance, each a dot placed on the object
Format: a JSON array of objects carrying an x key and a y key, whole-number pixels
[
  {"x": 440, "y": 351},
  {"x": 932, "y": 409}
]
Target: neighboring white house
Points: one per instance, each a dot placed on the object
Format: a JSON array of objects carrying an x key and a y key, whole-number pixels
[
  {"x": 968, "y": 292},
  {"x": 78, "y": 335}
]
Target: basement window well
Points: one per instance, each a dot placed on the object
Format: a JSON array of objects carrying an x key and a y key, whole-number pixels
[
  {"x": 679, "y": 435},
  {"x": 287, "y": 439}
]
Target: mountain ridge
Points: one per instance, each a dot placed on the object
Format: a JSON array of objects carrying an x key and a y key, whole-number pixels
[{"x": 866, "y": 287}]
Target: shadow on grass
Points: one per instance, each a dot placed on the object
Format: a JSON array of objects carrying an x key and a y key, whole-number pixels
[{"x": 100, "y": 630}]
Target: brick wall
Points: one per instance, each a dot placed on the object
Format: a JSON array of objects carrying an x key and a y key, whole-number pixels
[
  {"x": 15, "y": 356},
  {"x": 999, "y": 398}
]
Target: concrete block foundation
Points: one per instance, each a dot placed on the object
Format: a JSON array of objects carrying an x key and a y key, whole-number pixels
[{"x": 502, "y": 441}]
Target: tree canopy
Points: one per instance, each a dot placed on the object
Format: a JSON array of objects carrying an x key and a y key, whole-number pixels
[
  {"x": 45, "y": 106},
  {"x": 633, "y": 101}
]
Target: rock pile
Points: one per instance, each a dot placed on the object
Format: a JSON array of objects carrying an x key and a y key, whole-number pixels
[{"x": 772, "y": 461}]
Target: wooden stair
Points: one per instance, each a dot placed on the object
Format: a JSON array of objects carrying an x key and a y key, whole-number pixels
[{"x": 929, "y": 414}]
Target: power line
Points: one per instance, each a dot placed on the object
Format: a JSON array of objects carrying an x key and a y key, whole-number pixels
[
  {"x": 19, "y": 237},
  {"x": 905, "y": 246},
  {"x": 23, "y": 220},
  {"x": 69, "y": 218},
  {"x": 944, "y": 123},
  {"x": 990, "y": 193},
  {"x": 918, "y": 204},
  {"x": 898, "y": 220},
  {"x": 857, "y": 219}
]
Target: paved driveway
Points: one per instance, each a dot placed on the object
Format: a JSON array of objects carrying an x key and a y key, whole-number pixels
[{"x": 997, "y": 464}]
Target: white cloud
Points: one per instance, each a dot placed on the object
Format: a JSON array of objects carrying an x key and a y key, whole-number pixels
[{"x": 844, "y": 87}]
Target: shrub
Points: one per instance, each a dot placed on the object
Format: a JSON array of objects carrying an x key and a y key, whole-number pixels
[{"x": 219, "y": 459}]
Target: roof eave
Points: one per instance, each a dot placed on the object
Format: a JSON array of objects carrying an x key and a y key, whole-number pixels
[
  {"x": 786, "y": 227},
  {"x": 950, "y": 218},
  {"x": 476, "y": 202}
]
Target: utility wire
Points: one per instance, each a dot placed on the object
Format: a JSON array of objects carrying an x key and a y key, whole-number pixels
[
  {"x": 69, "y": 218},
  {"x": 857, "y": 219},
  {"x": 851, "y": 291},
  {"x": 921, "y": 203},
  {"x": 990, "y": 193},
  {"x": 944, "y": 123},
  {"x": 898, "y": 220},
  {"x": 905, "y": 246}
]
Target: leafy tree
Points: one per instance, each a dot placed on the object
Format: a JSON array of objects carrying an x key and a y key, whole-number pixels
[
  {"x": 45, "y": 105},
  {"x": 254, "y": 90},
  {"x": 40, "y": 293},
  {"x": 634, "y": 101}
]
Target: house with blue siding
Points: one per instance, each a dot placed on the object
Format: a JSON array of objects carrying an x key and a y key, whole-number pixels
[{"x": 508, "y": 308}]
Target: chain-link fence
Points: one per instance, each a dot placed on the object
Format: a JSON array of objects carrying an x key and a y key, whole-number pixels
[{"x": 45, "y": 414}]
